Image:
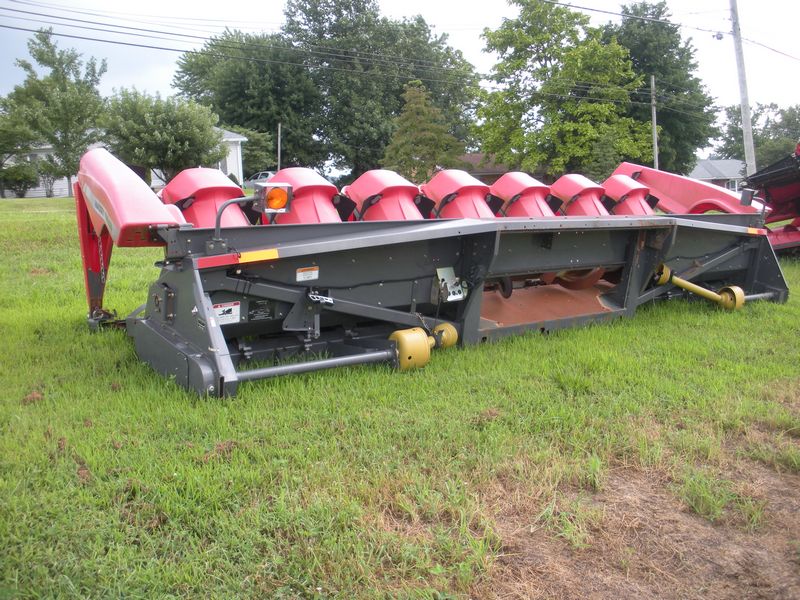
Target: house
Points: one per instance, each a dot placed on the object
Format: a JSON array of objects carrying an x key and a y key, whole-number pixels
[
  {"x": 231, "y": 164},
  {"x": 482, "y": 167},
  {"x": 727, "y": 172}
]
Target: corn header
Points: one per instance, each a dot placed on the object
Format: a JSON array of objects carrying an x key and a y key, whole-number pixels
[{"x": 302, "y": 276}]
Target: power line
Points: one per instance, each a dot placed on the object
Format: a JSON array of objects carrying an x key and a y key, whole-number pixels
[
  {"x": 148, "y": 33},
  {"x": 355, "y": 53},
  {"x": 667, "y": 22},
  {"x": 231, "y": 45},
  {"x": 218, "y": 55},
  {"x": 585, "y": 86}
]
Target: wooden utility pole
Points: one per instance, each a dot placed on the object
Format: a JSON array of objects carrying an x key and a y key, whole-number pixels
[
  {"x": 279, "y": 145},
  {"x": 747, "y": 126},
  {"x": 653, "y": 119}
]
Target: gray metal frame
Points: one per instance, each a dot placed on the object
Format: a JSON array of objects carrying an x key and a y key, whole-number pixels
[{"x": 375, "y": 277}]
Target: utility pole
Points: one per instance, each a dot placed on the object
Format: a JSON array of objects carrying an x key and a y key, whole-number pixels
[
  {"x": 747, "y": 126},
  {"x": 653, "y": 119},
  {"x": 279, "y": 145}
]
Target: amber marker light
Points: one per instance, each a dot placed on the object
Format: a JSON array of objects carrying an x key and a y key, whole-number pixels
[
  {"x": 277, "y": 198},
  {"x": 273, "y": 198}
]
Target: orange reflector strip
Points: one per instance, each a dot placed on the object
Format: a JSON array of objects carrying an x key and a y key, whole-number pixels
[{"x": 756, "y": 231}]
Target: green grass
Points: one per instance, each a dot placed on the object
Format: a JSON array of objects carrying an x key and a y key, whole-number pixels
[{"x": 358, "y": 482}]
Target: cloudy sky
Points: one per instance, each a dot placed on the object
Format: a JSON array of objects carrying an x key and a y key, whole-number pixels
[{"x": 772, "y": 53}]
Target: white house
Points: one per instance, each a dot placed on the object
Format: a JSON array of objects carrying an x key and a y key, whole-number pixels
[
  {"x": 230, "y": 165},
  {"x": 727, "y": 173}
]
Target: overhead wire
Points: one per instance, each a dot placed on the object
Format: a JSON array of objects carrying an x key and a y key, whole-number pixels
[
  {"x": 149, "y": 33},
  {"x": 215, "y": 32},
  {"x": 349, "y": 71},
  {"x": 666, "y": 22},
  {"x": 228, "y": 44}
]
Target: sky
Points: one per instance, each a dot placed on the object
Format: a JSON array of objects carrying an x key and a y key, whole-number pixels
[{"x": 772, "y": 56}]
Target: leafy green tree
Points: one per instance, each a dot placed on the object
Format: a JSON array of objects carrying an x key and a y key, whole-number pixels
[
  {"x": 48, "y": 173},
  {"x": 421, "y": 143},
  {"x": 16, "y": 138},
  {"x": 258, "y": 152},
  {"x": 686, "y": 113},
  {"x": 360, "y": 62},
  {"x": 19, "y": 178},
  {"x": 561, "y": 93},
  {"x": 63, "y": 106},
  {"x": 165, "y": 134},
  {"x": 776, "y": 132},
  {"x": 256, "y": 81}
]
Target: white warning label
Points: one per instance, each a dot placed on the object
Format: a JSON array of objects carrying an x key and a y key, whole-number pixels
[
  {"x": 227, "y": 312},
  {"x": 307, "y": 273}
]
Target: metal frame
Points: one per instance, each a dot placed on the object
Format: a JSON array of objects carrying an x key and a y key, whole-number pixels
[{"x": 311, "y": 297}]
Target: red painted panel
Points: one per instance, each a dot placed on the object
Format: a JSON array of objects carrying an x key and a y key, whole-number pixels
[
  {"x": 117, "y": 200},
  {"x": 458, "y": 195}
]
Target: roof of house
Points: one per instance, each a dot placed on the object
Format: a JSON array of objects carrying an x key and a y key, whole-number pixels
[
  {"x": 708, "y": 168},
  {"x": 230, "y": 136},
  {"x": 480, "y": 164}
]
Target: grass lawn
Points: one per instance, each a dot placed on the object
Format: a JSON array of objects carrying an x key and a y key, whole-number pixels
[{"x": 499, "y": 470}]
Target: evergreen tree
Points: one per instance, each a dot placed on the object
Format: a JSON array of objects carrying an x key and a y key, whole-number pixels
[{"x": 421, "y": 143}]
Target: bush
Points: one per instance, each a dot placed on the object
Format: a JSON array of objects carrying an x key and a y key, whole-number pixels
[
  {"x": 49, "y": 173},
  {"x": 20, "y": 177}
]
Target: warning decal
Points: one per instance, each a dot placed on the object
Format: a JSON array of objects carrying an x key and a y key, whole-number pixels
[
  {"x": 307, "y": 273},
  {"x": 227, "y": 312}
]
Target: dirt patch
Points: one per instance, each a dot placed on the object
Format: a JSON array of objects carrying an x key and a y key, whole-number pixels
[
  {"x": 115, "y": 387},
  {"x": 485, "y": 417},
  {"x": 647, "y": 544},
  {"x": 221, "y": 451},
  {"x": 33, "y": 398},
  {"x": 82, "y": 471},
  {"x": 40, "y": 271},
  {"x": 136, "y": 511}
]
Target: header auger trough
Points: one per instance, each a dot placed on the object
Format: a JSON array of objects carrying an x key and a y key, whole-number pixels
[{"x": 303, "y": 277}]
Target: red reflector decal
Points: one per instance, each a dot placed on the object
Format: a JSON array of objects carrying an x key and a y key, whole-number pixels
[{"x": 222, "y": 260}]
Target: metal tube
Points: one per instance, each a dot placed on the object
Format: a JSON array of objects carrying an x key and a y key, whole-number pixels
[
  {"x": 218, "y": 223},
  {"x": 318, "y": 365},
  {"x": 696, "y": 289},
  {"x": 762, "y": 296}
]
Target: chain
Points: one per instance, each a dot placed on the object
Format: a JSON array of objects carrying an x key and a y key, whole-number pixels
[{"x": 102, "y": 260}]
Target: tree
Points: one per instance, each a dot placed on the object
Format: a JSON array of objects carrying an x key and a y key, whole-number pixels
[
  {"x": 257, "y": 81},
  {"x": 775, "y": 133},
  {"x": 686, "y": 113},
  {"x": 16, "y": 138},
  {"x": 258, "y": 153},
  {"x": 167, "y": 135},
  {"x": 63, "y": 106},
  {"x": 48, "y": 171},
  {"x": 562, "y": 95},
  {"x": 360, "y": 62},
  {"x": 421, "y": 143},
  {"x": 20, "y": 177}
]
